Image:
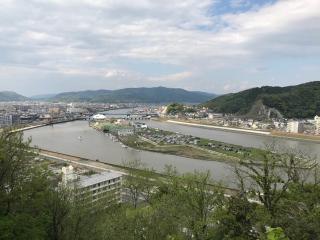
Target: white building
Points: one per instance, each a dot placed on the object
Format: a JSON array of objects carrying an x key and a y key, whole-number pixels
[
  {"x": 294, "y": 127},
  {"x": 98, "y": 117},
  {"x": 317, "y": 124},
  {"x": 68, "y": 175},
  {"x": 125, "y": 131},
  {"x": 140, "y": 125},
  {"x": 76, "y": 110},
  {"x": 214, "y": 115},
  {"x": 106, "y": 185},
  {"x": 7, "y": 120}
]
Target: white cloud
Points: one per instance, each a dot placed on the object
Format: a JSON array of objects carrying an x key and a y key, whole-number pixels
[
  {"x": 172, "y": 77},
  {"x": 86, "y": 37}
]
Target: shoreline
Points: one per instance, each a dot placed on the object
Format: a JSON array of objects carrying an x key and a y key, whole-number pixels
[
  {"x": 296, "y": 137},
  {"x": 221, "y": 128},
  {"x": 245, "y": 131}
]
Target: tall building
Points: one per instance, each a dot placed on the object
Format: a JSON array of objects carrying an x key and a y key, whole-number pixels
[
  {"x": 317, "y": 124},
  {"x": 7, "y": 120},
  {"x": 294, "y": 127}
]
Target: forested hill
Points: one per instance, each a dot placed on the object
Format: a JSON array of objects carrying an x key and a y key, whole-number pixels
[
  {"x": 7, "y": 96},
  {"x": 301, "y": 101},
  {"x": 139, "y": 95}
]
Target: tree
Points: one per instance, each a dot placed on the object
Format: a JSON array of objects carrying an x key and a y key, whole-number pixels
[
  {"x": 276, "y": 234},
  {"x": 24, "y": 188},
  {"x": 270, "y": 175},
  {"x": 140, "y": 182},
  {"x": 15, "y": 168},
  {"x": 175, "y": 108}
]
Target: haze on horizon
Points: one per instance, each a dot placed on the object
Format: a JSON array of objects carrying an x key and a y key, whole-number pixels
[{"x": 216, "y": 46}]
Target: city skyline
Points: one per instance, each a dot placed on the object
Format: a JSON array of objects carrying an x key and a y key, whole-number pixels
[{"x": 211, "y": 45}]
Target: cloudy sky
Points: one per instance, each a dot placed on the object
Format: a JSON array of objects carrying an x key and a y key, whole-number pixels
[{"x": 220, "y": 46}]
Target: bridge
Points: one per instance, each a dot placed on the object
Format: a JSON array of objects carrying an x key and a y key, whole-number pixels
[{"x": 132, "y": 114}]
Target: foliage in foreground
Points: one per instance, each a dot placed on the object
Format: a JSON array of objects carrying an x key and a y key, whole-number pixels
[{"x": 177, "y": 207}]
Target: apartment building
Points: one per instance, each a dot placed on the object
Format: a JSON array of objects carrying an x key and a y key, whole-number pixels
[
  {"x": 7, "y": 120},
  {"x": 106, "y": 186},
  {"x": 294, "y": 127}
]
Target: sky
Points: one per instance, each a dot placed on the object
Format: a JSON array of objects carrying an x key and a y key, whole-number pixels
[{"x": 217, "y": 46}]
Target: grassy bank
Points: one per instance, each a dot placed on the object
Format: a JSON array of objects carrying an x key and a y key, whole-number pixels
[
  {"x": 179, "y": 150},
  {"x": 201, "y": 151}
]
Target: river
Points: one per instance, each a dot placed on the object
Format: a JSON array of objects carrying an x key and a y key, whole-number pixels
[
  {"x": 94, "y": 145},
  {"x": 238, "y": 138}
]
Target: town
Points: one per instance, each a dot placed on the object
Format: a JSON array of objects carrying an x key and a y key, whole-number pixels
[{"x": 33, "y": 113}]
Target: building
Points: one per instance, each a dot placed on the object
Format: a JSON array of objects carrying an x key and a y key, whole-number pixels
[
  {"x": 294, "y": 127},
  {"x": 317, "y": 125},
  {"x": 7, "y": 120},
  {"x": 125, "y": 131},
  {"x": 68, "y": 175},
  {"x": 76, "y": 110},
  {"x": 106, "y": 185},
  {"x": 139, "y": 125},
  {"x": 98, "y": 117}
]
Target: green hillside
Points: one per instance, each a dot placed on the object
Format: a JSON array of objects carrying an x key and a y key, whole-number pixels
[
  {"x": 301, "y": 101},
  {"x": 7, "y": 96},
  {"x": 139, "y": 95}
]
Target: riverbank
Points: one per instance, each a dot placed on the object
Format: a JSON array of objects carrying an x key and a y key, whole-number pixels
[
  {"x": 275, "y": 134},
  {"x": 220, "y": 128},
  {"x": 296, "y": 136},
  {"x": 103, "y": 166},
  {"x": 25, "y": 128}
]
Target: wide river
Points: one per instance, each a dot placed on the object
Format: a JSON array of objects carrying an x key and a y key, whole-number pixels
[{"x": 94, "y": 145}]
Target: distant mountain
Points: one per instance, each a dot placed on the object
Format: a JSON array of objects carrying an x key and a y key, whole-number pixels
[
  {"x": 301, "y": 101},
  {"x": 43, "y": 96},
  {"x": 7, "y": 96},
  {"x": 136, "y": 95}
]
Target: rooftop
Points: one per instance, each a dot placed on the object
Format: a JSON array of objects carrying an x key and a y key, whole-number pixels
[{"x": 86, "y": 181}]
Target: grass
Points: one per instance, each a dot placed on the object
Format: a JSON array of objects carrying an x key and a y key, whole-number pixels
[{"x": 179, "y": 150}]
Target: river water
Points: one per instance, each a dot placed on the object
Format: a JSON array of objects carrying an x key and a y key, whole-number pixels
[
  {"x": 94, "y": 145},
  {"x": 243, "y": 139},
  {"x": 238, "y": 138}
]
